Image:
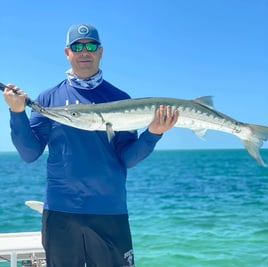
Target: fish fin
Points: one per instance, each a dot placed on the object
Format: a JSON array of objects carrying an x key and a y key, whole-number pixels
[
  {"x": 253, "y": 145},
  {"x": 205, "y": 100},
  {"x": 109, "y": 131},
  {"x": 200, "y": 132}
]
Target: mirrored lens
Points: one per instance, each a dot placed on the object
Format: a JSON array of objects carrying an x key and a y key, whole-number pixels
[
  {"x": 91, "y": 47},
  {"x": 77, "y": 47}
]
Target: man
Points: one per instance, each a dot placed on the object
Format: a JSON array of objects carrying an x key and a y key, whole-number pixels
[{"x": 85, "y": 218}]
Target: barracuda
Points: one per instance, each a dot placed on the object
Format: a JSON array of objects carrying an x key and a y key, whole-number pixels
[{"x": 197, "y": 115}]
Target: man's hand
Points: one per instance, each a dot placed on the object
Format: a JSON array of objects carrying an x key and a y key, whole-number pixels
[
  {"x": 16, "y": 101},
  {"x": 163, "y": 120}
]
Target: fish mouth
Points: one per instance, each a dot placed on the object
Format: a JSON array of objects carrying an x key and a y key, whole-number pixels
[{"x": 52, "y": 115}]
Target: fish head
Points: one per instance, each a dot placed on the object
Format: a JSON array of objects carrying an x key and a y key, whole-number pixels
[{"x": 75, "y": 116}]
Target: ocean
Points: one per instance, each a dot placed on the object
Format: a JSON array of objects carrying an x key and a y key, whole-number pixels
[{"x": 188, "y": 208}]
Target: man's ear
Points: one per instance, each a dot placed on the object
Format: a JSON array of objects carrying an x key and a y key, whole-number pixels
[
  {"x": 101, "y": 51},
  {"x": 66, "y": 51}
]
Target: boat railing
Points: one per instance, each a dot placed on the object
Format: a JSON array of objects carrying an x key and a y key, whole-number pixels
[{"x": 24, "y": 247}]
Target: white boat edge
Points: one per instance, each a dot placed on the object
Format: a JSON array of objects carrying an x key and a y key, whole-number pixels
[{"x": 35, "y": 205}]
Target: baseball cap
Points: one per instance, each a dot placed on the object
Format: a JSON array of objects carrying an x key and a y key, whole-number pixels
[{"x": 82, "y": 31}]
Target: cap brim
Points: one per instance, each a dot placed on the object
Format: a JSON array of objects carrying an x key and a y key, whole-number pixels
[{"x": 75, "y": 40}]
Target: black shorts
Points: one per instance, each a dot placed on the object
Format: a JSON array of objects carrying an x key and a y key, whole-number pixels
[{"x": 79, "y": 240}]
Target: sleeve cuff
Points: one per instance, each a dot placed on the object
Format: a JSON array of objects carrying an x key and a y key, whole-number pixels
[{"x": 147, "y": 135}]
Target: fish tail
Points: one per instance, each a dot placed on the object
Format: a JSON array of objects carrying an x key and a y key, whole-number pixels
[{"x": 259, "y": 134}]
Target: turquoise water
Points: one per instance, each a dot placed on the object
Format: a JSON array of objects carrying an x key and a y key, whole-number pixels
[{"x": 187, "y": 208}]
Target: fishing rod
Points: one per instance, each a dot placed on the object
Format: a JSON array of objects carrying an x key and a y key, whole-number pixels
[{"x": 28, "y": 101}]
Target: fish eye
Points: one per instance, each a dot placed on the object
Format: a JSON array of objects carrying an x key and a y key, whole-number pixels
[{"x": 74, "y": 114}]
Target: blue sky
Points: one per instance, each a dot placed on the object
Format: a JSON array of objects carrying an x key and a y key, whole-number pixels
[{"x": 173, "y": 48}]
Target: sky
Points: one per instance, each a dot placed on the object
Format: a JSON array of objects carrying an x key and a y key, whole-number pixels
[{"x": 174, "y": 48}]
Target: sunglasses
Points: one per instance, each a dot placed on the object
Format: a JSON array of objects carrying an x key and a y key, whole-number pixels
[{"x": 90, "y": 47}]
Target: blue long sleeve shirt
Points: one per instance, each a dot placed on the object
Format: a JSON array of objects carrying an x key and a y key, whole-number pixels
[{"x": 86, "y": 173}]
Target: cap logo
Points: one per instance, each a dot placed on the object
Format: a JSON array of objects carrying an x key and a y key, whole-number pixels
[{"x": 83, "y": 30}]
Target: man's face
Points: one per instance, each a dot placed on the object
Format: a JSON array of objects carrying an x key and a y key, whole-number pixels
[{"x": 85, "y": 63}]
